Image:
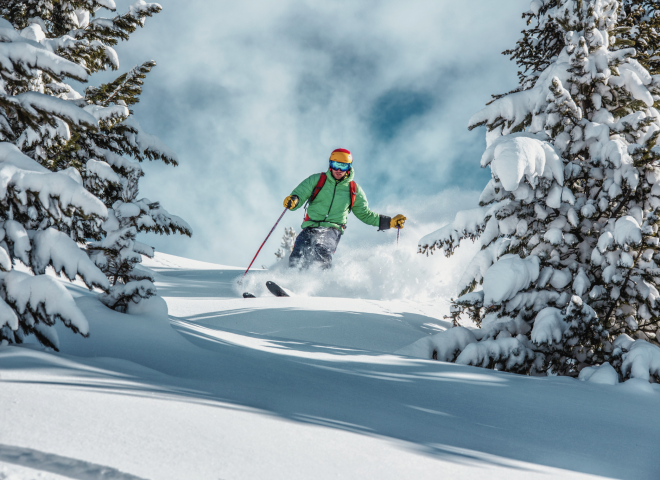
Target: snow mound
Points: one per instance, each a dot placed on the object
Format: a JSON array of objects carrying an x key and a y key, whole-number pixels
[
  {"x": 154, "y": 306},
  {"x": 165, "y": 260},
  {"x": 443, "y": 346},
  {"x": 604, "y": 374},
  {"x": 641, "y": 361}
]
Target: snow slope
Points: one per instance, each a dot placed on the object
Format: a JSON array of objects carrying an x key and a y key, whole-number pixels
[{"x": 298, "y": 387}]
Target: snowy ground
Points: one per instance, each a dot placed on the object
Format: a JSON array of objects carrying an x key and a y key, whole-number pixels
[{"x": 300, "y": 387}]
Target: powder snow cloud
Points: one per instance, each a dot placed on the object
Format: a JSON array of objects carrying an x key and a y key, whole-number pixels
[{"x": 254, "y": 95}]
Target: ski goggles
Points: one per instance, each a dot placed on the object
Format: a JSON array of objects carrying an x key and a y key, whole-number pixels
[{"x": 344, "y": 167}]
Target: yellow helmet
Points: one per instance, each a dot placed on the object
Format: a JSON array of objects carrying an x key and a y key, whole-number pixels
[{"x": 341, "y": 155}]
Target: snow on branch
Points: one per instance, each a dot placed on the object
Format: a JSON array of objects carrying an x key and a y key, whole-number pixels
[
  {"x": 515, "y": 156},
  {"x": 512, "y": 159},
  {"x": 19, "y": 241},
  {"x": 19, "y": 53},
  {"x": 126, "y": 88},
  {"x": 119, "y": 162},
  {"x": 549, "y": 326},
  {"x": 627, "y": 231},
  {"x": 51, "y": 247},
  {"x": 101, "y": 171},
  {"x": 467, "y": 224},
  {"x": 511, "y": 352},
  {"x": 41, "y": 299},
  {"x": 509, "y": 275},
  {"x": 122, "y": 25},
  {"x": 20, "y": 174},
  {"x": 157, "y": 219},
  {"x": 108, "y": 116},
  {"x": 8, "y": 317},
  {"x": 36, "y": 107},
  {"x": 148, "y": 145}
]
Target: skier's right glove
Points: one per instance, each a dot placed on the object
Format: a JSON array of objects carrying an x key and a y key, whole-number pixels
[{"x": 290, "y": 202}]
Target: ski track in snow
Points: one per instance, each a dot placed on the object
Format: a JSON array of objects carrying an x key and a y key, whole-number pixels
[
  {"x": 47, "y": 462},
  {"x": 298, "y": 387}
]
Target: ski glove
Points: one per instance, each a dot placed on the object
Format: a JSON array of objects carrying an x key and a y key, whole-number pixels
[
  {"x": 290, "y": 202},
  {"x": 398, "y": 221}
]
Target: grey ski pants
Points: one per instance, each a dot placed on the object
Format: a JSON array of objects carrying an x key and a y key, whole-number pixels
[{"x": 315, "y": 246}]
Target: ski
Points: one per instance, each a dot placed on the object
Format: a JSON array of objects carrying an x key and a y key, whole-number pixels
[
  {"x": 276, "y": 290},
  {"x": 248, "y": 295}
]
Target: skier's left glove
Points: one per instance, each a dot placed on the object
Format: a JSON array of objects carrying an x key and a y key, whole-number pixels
[
  {"x": 290, "y": 202},
  {"x": 398, "y": 221}
]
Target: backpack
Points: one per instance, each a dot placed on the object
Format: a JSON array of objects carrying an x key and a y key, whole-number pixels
[{"x": 319, "y": 186}]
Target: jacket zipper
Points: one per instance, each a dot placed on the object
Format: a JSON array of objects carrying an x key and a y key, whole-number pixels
[{"x": 331, "y": 202}]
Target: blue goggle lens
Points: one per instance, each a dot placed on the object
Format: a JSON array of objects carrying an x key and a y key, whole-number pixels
[{"x": 344, "y": 167}]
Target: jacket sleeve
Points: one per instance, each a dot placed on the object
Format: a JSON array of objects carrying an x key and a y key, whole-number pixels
[
  {"x": 364, "y": 214},
  {"x": 305, "y": 189}
]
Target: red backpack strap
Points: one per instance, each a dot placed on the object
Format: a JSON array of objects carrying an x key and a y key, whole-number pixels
[
  {"x": 317, "y": 188},
  {"x": 353, "y": 195},
  {"x": 315, "y": 192}
]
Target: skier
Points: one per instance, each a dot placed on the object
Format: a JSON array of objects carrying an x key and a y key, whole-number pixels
[{"x": 330, "y": 197}]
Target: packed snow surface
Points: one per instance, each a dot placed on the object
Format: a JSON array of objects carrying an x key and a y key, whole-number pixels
[{"x": 302, "y": 387}]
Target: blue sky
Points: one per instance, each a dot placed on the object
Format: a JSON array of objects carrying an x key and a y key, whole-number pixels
[{"x": 255, "y": 95}]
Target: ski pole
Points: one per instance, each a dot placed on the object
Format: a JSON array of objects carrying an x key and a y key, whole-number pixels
[
  {"x": 398, "y": 229},
  {"x": 262, "y": 245}
]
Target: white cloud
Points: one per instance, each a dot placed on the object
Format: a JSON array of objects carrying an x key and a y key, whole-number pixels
[{"x": 254, "y": 96}]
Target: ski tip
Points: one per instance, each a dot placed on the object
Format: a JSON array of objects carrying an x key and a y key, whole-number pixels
[
  {"x": 276, "y": 290},
  {"x": 248, "y": 295}
]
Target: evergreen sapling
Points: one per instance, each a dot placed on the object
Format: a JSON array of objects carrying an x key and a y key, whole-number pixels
[{"x": 288, "y": 241}]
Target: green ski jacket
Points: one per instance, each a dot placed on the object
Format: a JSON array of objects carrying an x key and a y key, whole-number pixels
[{"x": 331, "y": 205}]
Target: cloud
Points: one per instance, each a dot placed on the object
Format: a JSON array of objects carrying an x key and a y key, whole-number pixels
[
  {"x": 255, "y": 95},
  {"x": 393, "y": 109}
]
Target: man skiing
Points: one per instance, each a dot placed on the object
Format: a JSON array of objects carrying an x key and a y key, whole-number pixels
[{"x": 330, "y": 197}]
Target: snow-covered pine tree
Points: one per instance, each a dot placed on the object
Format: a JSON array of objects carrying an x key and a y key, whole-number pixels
[
  {"x": 34, "y": 199},
  {"x": 74, "y": 31},
  {"x": 97, "y": 158},
  {"x": 119, "y": 252},
  {"x": 71, "y": 30},
  {"x": 568, "y": 224},
  {"x": 543, "y": 41},
  {"x": 288, "y": 241}
]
